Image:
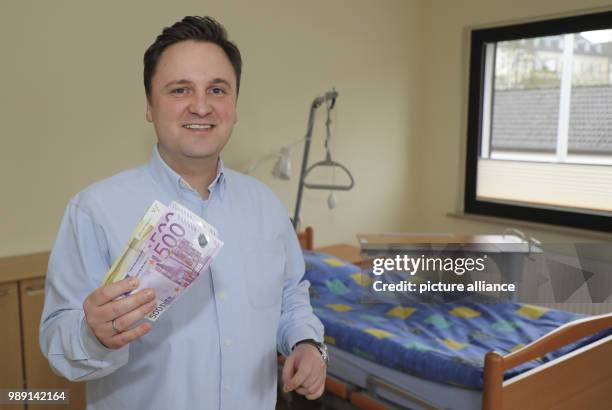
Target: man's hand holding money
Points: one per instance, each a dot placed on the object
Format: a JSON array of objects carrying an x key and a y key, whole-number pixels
[{"x": 111, "y": 319}]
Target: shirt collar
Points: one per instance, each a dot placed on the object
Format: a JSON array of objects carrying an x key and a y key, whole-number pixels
[{"x": 168, "y": 178}]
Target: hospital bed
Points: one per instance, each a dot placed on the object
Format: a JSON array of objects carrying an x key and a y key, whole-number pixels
[{"x": 559, "y": 360}]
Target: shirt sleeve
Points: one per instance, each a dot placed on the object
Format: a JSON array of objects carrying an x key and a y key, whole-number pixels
[
  {"x": 80, "y": 255},
  {"x": 297, "y": 320}
]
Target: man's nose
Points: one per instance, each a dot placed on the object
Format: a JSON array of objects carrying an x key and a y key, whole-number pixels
[{"x": 200, "y": 105}]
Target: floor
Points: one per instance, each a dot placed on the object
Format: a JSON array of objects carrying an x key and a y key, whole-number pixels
[{"x": 297, "y": 402}]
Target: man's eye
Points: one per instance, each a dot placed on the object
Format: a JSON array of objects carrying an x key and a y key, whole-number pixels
[
  {"x": 180, "y": 91},
  {"x": 217, "y": 91}
]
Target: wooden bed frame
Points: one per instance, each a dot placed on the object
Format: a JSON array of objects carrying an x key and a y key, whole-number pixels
[{"x": 579, "y": 380}]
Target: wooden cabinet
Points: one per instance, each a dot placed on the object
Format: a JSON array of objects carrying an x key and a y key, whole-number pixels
[
  {"x": 38, "y": 373},
  {"x": 11, "y": 369},
  {"x": 349, "y": 253},
  {"x": 22, "y": 294}
]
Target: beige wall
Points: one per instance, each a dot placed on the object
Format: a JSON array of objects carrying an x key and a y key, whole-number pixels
[
  {"x": 72, "y": 110},
  {"x": 441, "y": 142}
]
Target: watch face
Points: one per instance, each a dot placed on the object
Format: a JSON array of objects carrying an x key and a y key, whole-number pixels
[
  {"x": 323, "y": 350},
  {"x": 323, "y": 347}
]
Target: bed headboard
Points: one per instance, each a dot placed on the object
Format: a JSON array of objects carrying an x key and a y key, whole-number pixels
[{"x": 306, "y": 238}]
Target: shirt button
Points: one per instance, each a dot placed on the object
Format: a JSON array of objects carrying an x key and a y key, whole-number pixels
[
  {"x": 221, "y": 295},
  {"x": 226, "y": 387},
  {"x": 228, "y": 342}
]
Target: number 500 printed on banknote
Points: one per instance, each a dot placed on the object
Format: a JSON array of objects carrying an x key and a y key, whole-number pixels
[{"x": 167, "y": 251}]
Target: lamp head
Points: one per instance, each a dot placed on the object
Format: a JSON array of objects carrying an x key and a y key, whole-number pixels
[{"x": 282, "y": 168}]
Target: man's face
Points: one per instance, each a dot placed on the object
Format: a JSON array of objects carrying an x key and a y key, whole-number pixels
[{"x": 193, "y": 102}]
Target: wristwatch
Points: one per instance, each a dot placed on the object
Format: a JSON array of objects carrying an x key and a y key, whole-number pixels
[{"x": 321, "y": 347}]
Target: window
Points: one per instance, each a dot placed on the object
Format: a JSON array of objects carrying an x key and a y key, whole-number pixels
[{"x": 540, "y": 122}]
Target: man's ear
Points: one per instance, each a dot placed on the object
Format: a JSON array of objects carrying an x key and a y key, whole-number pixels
[
  {"x": 236, "y": 110},
  {"x": 149, "y": 115}
]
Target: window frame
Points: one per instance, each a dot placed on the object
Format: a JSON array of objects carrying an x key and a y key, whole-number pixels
[{"x": 478, "y": 41}]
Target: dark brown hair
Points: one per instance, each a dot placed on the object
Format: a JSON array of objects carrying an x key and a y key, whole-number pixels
[{"x": 191, "y": 28}]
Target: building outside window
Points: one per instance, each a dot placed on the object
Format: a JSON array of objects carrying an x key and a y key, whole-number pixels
[{"x": 540, "y": 122}]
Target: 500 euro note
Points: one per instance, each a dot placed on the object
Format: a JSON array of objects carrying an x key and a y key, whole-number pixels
[{"x": 171, "y": 255}]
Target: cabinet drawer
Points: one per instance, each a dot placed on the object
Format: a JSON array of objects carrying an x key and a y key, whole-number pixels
[
  {"x": 38, "y": 373},
  {"x": 11, "y": 373}
]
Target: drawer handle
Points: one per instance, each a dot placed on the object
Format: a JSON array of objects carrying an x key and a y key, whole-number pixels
[{"x": 35, "y": 290}]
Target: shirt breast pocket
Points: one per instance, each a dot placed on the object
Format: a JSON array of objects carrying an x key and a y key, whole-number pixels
[{"x": 264, "y": 266}]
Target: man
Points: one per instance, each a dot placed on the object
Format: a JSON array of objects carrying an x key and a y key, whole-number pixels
[{"x": 215, "y": 347}]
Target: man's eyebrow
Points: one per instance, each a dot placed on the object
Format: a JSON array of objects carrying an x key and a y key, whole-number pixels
[
  {"x": 188, "y": 82},
  {"x": 177, "y": 82},
  {"x": 221, "y": 81}
]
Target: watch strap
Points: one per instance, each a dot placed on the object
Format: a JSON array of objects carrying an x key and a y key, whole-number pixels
[{"x": 320, "y": 347}]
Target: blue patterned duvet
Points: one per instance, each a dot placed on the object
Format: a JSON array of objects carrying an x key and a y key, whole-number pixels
[{"x": 444, "y": 342}]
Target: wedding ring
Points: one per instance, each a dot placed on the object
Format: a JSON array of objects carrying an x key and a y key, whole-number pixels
[{"x": 114, "y": 326}]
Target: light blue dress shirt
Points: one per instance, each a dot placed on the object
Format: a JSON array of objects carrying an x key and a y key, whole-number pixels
[{"x": 215, "y": 347}]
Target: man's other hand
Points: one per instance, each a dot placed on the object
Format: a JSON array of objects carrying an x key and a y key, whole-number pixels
[
  {"x": 305, "y": 371},
  {"x": 102, "y": 307}
]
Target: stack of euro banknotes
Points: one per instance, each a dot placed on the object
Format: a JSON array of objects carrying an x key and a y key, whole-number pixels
[{"x": 169, "y": 249}]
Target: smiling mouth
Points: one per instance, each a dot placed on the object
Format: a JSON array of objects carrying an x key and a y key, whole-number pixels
[{"x": 198, "y": 126}]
